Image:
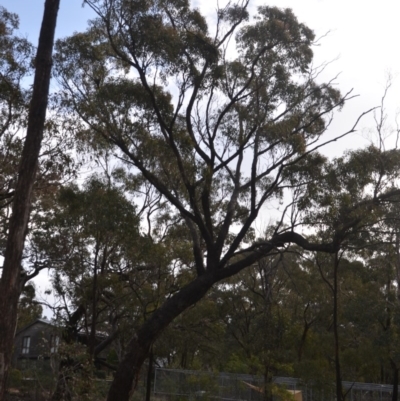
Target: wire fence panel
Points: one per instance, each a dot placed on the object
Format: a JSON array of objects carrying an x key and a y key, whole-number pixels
[{"x": 182, "y": 385}]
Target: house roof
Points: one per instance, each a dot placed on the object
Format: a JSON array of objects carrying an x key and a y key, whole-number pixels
[
  {"x": 45, "y": 321},
  {"x": 81, "y": 333}
]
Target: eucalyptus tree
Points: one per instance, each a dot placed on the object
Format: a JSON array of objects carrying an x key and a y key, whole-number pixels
[
  {"x": 219, "y": 120},
  {"x": 11, "y": 282},
  {"x": 384, "y": 266},
  {"x": 16, "y": 70},
  {"x": 15, "y": 66},
  {"x": 259, "y": 325}
]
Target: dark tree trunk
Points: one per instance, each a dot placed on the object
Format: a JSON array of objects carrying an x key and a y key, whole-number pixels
[
  {"x": 395, "y": 370},
  {"x": 150, "y": 376},
  {"x": 338, "y": 371},
  {"x": 65, "y": 368},
  {"x": 266, "y": 274},
  {"x": 138, "y": 349},
  {"x": 302, "y": 341},
  {"x": 267, "y": 396},
  {"x": 11, "y": 283},
  {"x": 92, "y": 335},
  {"x": 62, "y": 390},
  {"x": 306, "y": 328}
]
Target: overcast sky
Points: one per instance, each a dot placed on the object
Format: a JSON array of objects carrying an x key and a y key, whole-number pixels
[{"x": 363, "y": 40}]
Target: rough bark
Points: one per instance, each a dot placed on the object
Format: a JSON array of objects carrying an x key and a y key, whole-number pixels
[
  {"x": 126, "y": 377},
  {"x": 10, "y": 283},
  {"x": 267, "y": 396},
  {"x": 61, "y": 392},
  {"x": 306, "y": 328},
  {"x": 150, "y": 376},
  {"x": 395, "y": 369},
  {"x": 338, "y": 371}
]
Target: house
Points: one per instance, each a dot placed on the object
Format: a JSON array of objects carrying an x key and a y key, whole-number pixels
[{"x": 40, "y": 339}]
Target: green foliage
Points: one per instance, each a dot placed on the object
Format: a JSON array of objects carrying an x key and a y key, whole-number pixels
[
  {"x": 187, "y": 147},
  {"x": 28, "y": 308},
  {"x": 14, "y": 378},
  {"x": 15, "y": 65}
]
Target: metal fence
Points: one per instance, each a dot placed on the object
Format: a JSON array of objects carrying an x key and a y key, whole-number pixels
[{"x": 182, "y": 385}]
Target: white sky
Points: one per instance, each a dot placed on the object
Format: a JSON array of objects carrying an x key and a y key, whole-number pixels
[{"x": 363, "y": 38}]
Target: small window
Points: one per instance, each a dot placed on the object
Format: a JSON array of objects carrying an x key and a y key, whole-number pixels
[
  {"x": 26, "y": 343},
  {"x": 54, "y": 342}
]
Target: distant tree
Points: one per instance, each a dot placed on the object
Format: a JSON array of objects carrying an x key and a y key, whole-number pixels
[
  {"x": 88, "y": 237},
  {"x": 357, "y": 191},
  {"x": 108, "y": 275},
  {"x": 29, "y": 309}
]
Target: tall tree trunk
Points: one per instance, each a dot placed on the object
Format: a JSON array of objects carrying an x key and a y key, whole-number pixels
[
  {"x": 395, "y": 370},
  {"x": 62, "y": 390},
  {"x": 11, "y": 283},
  {"x": 338, "y": 372},
  {"x": 394, "y": 366},
  {"x": 267, "y": 396},
  {"x": 92, "y": 334},
  {"x": 302, "y": 341},
  {"x": 65, "y": 367},
  {"x": 266, "y": 271},
  {"x": 138, "y": 349},
  {"x": 150, "y": 376}
]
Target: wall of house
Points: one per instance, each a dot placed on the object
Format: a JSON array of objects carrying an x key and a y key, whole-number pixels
[{"x": 40, "y": 335}]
